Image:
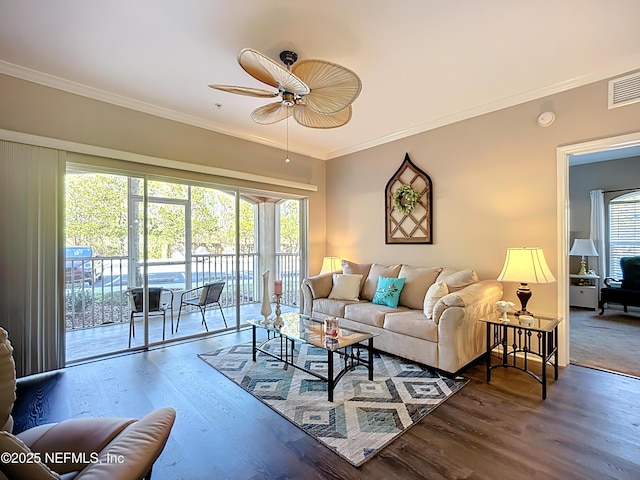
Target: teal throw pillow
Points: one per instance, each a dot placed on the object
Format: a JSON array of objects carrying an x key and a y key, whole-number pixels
[{"x": 388, "y": 291}]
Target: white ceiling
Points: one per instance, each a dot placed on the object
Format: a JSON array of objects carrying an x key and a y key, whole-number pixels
[{"x": 423, "y": 63}]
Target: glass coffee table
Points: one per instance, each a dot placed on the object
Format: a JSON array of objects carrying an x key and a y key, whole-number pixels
[{"x": 301, "y": 328}]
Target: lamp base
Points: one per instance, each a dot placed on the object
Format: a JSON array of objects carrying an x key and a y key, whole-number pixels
[
  {"x": 524, "y": 294},
  {"x": 583, "y": 267}
]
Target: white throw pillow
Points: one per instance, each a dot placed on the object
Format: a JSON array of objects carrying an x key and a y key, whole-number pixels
[
  {"x": 345, "y": 286},
  {"x": 458, "y": 280},
  {"x": 435, "y": 293}
]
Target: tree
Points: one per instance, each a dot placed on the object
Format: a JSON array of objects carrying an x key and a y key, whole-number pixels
[
  {"x": 96, "y": 212},
  {"x": 289, "y": 213}
]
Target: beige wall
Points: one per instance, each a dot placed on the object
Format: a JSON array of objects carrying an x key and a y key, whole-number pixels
[
  {"x": 494, "y": 186},
  {"x": 609, "y": 175},
  {"x": 494, "y": 176},
  {"x": 34, "y": 109}
]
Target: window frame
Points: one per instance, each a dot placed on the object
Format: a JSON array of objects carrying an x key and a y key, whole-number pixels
[{"x": 631, "y": 239}]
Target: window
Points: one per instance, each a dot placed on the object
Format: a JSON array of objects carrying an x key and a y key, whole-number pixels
[
  {"x": 624, "y": 230},
  {"x": 124, "y": 229}
]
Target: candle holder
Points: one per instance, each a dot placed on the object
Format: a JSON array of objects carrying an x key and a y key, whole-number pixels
[{"x": 278, "y": 322}]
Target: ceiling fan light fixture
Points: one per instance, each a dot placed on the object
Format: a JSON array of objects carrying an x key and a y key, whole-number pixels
[
  {"x": 318, "y": 93},
  {"x": 288, "y": 99}
]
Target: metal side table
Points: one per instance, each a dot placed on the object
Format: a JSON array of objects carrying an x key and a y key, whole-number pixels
[{"x": 518, "y": 341}]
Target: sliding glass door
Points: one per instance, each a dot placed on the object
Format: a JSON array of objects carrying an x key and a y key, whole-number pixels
[{"x": 142, "y": 251}]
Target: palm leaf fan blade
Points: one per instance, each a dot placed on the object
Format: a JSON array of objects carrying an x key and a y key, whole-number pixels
[
  {"x": 309, "y": 118},
  {"x": 267, "y": 71},
  {"x": 248, "y": 91},
  {"x": 333, "y": 87},
  {"x": 271, "y": 113}
]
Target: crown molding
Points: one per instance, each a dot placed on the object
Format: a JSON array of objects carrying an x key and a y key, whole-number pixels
[
  {"x": 621, "y": 67},
  {"x": 628, "y": 65},
  {"x": 69, "y": 86}
]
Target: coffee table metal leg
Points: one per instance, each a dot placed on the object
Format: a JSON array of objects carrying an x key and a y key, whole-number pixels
[
  {"x": 370, "y": 353},
  {"x": 253, "y": 334},
  {"x": 293, "y": 349},
  {"x": 330, "y": 383}
]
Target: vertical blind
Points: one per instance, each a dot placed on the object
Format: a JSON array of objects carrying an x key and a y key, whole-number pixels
[
  {"x": 624, "y": 230},
  {"x": 30, "y": 247}
]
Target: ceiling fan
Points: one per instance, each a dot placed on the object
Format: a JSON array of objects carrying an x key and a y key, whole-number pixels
[{"x": 317, "y": 93}]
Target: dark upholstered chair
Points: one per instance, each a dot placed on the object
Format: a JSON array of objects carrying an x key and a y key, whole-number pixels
[
  {"x": 628, "y": 293},
  {"x": 156, "y": 306},
  {"x": 208, "y": 294},
  {"x": 78, "y": 448}
]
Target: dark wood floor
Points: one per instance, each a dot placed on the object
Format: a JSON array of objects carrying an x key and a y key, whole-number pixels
[{"x": 588, "y": 428}]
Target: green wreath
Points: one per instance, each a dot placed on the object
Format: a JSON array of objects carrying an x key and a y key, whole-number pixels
[{"x": 405, "y": 199}]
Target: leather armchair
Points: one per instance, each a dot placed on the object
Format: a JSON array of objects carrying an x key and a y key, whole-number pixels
[{"x": 81, "y": 448}]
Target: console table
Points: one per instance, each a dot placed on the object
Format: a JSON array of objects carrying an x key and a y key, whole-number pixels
[{"x": 518, "y": 341}]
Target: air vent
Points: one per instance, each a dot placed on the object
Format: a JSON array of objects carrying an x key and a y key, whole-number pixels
[{"x": 624, "y": 90}]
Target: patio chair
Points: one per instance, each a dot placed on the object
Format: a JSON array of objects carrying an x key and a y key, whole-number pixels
[
  {"x": 156, "y": 307},
  {"x": 86, "y": 444},
  {"x": 208, "y": 294}
]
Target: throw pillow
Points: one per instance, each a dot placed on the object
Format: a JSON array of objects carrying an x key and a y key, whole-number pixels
[
  {"x": 371, "y": 283},
  {"x": 459, "y": 280},
  {"x": 345, "y": 287},
  {"x": 356, "y": 269},
  {"x": 419, "y": 279},
  {"x": 435, "y": 293},
  {"x": 388, "y": 291}
]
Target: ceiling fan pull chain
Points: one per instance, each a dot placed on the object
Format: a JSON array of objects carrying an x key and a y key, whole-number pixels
[{"x": 287, "y": 160}]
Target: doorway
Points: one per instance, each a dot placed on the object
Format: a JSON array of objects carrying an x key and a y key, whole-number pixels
[{"x": 571, "y": 214}]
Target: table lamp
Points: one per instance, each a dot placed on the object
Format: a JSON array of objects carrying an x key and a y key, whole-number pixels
[
  {"x": 583, "y": 247},
  {"x": 331, "y": 264},
  {"x": 525, "y": 265}
]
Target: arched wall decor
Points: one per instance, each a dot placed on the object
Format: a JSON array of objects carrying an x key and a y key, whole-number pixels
[{"x": 408, "y": 201}]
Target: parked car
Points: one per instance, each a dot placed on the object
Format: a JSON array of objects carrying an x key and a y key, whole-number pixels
[{"x": 80, "y": 265}]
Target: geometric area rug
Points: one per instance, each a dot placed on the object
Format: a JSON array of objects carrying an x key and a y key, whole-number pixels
[{"x": 365, "y": 415}]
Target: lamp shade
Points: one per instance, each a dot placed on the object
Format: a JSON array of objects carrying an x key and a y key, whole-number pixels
[
  {"x": 331, "y": 264},
  {"x": 583, "y": 247},
  {"x": 526, "y": 265}
]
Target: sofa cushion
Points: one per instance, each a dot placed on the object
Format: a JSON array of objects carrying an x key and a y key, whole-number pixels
[
  {"x": 413, "y": 323},
  {"x": 369, "y": 313},
  {"x": 356, "y": 269},
  {"x": 345, "y": 287},
  {"x": 332, "y": 308},
  {"x": 388, "y": 291},
  {"x": 460, "y": 279},
  {"x": 435, "y": 293},
  {"x": 371, "y": 283},
  {"x": 320, "y": 285},
  {"x": 415, "y": 288}
]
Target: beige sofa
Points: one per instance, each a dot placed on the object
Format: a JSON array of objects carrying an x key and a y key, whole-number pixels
[{"x": 436, "y": 322}]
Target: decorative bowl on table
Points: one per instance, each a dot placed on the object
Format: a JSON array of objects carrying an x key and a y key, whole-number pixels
[{"x": 505, "y": 307}]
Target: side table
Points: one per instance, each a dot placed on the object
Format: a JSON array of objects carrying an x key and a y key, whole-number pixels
[
  {"x": 583, "y": 290},
  {"x": 519, "y": 341}
]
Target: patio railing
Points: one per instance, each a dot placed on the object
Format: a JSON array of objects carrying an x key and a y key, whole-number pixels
[
  {"x": 95, "y": 287},
  {"x": 288, "y": 270}
]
